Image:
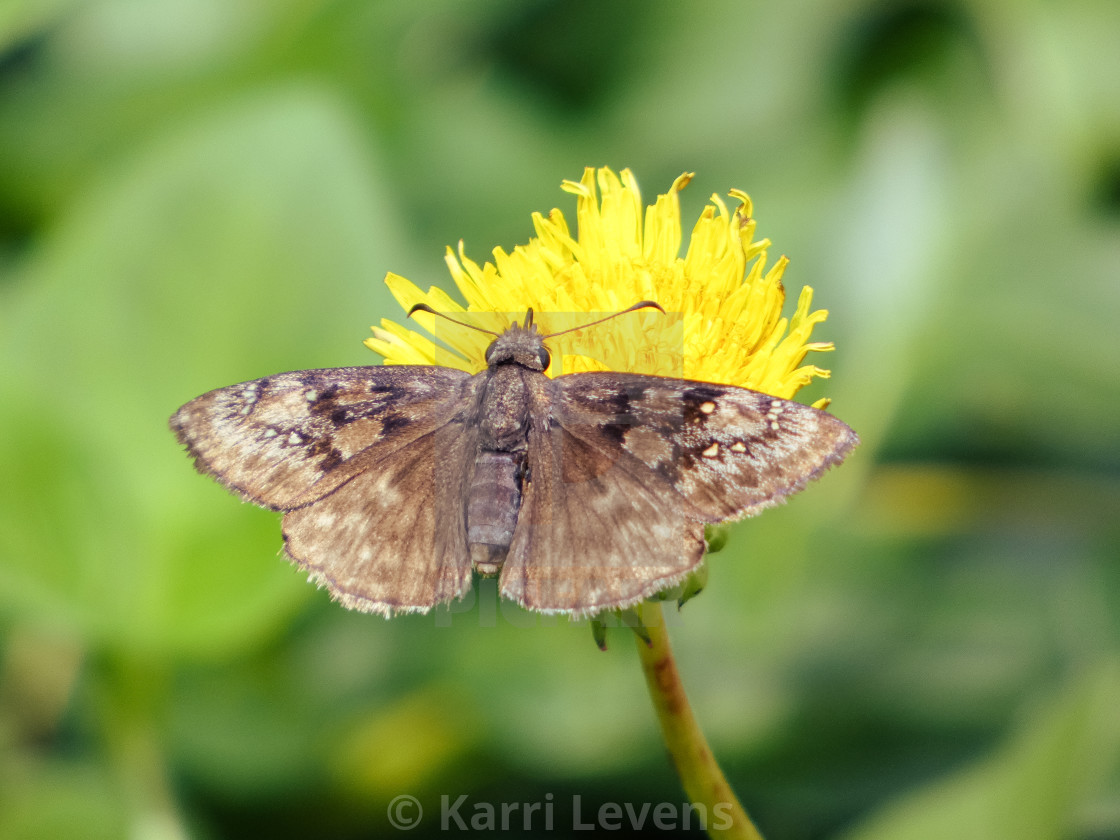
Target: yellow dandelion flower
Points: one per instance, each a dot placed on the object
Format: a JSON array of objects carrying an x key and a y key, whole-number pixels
[{"x": 725, "y": 304}]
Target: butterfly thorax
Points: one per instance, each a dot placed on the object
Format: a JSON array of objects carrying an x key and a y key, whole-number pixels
[
  {"x": 504, "y": 418},
  {"x": 515, "y": 356}
]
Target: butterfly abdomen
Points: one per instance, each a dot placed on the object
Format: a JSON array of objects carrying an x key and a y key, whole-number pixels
[{"x": 492, "y": 505}]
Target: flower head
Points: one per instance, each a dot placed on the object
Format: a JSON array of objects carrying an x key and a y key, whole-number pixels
[{"x": 725, "y": 304}]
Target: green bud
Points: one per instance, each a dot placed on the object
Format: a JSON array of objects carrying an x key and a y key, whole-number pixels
[
  {"x": 716, "y": 537},
  {"x": 599, "y": 632}
]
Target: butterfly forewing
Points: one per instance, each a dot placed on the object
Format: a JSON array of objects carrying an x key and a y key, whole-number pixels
[
  {"x": 728, "y": 452},
  {"x": 285, "y": 440}
]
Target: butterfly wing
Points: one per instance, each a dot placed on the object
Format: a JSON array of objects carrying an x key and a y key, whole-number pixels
[
  {"x": 625, "y": 469},
  {"x": 728, "y": 452},
  {"x": 370, "y": 464},
  {"x": 596, "y": 529},
  {"x": 393, "y": 538},
  {"x": 284, "y": 440}
]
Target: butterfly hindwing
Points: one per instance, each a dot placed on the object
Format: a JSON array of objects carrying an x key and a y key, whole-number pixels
[
  {"x": 597, "y": 528},
  {"x": 393, "y": 538},
  {"x": 284, "y": 440}
]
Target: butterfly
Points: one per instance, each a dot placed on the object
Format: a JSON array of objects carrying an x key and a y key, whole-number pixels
[{"x": 586, "y": 492}]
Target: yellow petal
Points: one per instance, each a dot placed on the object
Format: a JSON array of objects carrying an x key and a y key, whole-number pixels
[{"x": 725, "y": 321}]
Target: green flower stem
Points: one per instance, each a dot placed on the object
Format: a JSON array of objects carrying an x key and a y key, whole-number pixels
[{"x": 701, "y": 777}]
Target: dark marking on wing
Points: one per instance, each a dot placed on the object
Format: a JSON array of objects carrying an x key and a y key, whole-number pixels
[
  {"x": 616, "y": 432},
  {"x": 330, "y": 457},
  {"x": 393, "y": 420},
  {"x": 696, "y": 396}
]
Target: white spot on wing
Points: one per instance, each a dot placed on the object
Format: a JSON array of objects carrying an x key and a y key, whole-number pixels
[{"x": 774, "y": 411}]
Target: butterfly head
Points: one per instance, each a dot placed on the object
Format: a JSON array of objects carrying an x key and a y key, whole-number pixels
[{"x": 520, "y": 344}]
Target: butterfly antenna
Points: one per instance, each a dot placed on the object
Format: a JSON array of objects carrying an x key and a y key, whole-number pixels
[
  {"x": 645, "y": 304},
  {"x": 423, "y": 307}
]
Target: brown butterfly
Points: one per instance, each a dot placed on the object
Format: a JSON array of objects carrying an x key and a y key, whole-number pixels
[{"x": 586, "y": 492}]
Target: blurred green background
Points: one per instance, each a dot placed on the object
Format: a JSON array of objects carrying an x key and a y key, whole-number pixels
[{"x": 200, "y": 192}]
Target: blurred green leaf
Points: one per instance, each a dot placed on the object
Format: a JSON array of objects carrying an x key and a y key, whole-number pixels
[
  {"x": 60, "y": 799},
  {"x": 1031, "y": 788},
  {"x": 19, "y": 19},
  {"x": 138, "y": 302}
]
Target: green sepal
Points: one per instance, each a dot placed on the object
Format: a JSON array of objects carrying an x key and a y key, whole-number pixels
[
  {"x": 687, "y": 589},
  {"x": 630, "y": 617},
  {"x": 693, "y": 585},
  {"x": 633, "y": 619}
]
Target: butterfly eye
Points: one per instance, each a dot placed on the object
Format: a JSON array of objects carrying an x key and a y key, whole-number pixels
[{"x": 544, "y": 357}]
